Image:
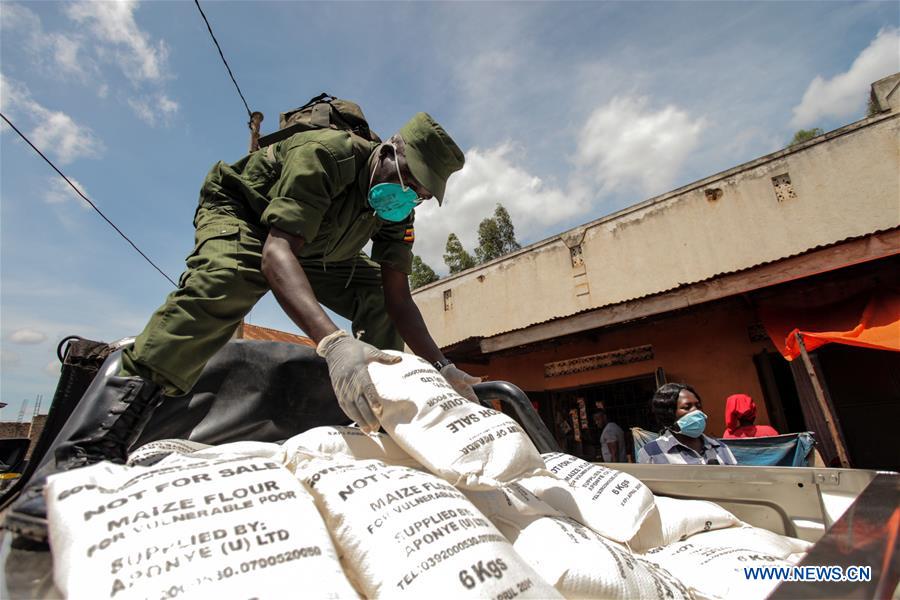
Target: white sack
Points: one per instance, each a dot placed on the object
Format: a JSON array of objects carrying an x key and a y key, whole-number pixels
[
  {"x": 675, "y": 519},
  {"x": 717, "y": 572},
  {"x": 753, "y": 538},
  {"x": 582, "y": 564},
  {"x": 248, "y": 449},
  {"x": 612, "y": 503},
  {"x": 152, "y": 452},
  {"x": 348, "y": 442},
  {"x": 227, "y": 527},
  {"x": 465, "y": 443},
  {"x": 511, "y": 508},
  {"x": 404, "y": 532},
  {"x": 576, "y": 560}
]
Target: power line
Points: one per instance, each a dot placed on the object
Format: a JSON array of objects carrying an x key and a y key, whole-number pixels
[
  {"x": 85, "y": 198},
  {"x": 219, "y": 48}
]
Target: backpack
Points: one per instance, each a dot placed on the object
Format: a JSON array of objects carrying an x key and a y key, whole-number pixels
[{"x": 322, "y": 112}]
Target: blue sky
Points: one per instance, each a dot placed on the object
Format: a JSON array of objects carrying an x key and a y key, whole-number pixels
[{"x": 566, "y": 110}]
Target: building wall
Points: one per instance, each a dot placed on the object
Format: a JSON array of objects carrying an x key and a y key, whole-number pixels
[
  {"x": 708, "y": 347},
  {"x": 843, "y": 184},
  {"x": 31, "y": 430}
]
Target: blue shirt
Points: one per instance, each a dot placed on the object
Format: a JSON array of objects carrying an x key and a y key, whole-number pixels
[{"x": 666, "y": 449}]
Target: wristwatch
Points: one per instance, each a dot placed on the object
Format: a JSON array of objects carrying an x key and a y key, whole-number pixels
[{"x": 441, "y": 363}]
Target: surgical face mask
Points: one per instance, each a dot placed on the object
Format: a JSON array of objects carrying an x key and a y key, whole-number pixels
[
  {"x": 692, "y": 424},
  {"x": 392, "y": 201}
]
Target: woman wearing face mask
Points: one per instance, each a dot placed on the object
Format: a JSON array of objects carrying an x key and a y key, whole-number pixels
[{"x": 677, "y": 407}]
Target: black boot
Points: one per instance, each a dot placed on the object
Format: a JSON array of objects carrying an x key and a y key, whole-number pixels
[{"x": 105, "y": 423}]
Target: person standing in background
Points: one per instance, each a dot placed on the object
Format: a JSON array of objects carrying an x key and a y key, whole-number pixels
[
  {"x": 611, "y": 438},
  {"x": 740, "y": 416}
]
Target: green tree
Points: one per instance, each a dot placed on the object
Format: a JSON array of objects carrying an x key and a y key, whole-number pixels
[
  {"x": 507, "y": 231},
  {"x": 455, "y": 256},
  {"x": 496, "y": 236},
  {"x": 489, "y": 244},
  {"x": 804, "y": 135},
  {"x": 421, "y": 273}
]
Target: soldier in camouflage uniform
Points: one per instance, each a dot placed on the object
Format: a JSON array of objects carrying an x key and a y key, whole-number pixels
[{"x": 292, "y": 217}]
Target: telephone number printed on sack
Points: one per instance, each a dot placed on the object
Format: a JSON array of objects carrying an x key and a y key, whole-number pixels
[{"x": 269, "y": 561}]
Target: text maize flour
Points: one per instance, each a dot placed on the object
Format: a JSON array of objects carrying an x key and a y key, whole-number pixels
[
  {"x": 348, "y": 442},
  {"x": 230, "y": 526},
  {"x": 612, "y": 503},
  {"x": 465, "y": 443},
  {"x": 576, "y": 560},
  {"x": 717, "y": 571},
  {"x": 674, "y": 520},
  {"x": 404, "y": 532}
]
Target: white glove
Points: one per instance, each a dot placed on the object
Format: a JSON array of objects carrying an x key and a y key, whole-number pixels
[
  {"x": 461, "y": 381},
  {"x": 347, "y": 360}
]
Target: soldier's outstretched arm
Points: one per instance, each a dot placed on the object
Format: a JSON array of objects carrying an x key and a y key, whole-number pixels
[
  {"x": 291, "y": 286},
  {"x": 347, "y": 357},
  {"x": 406, "y": 316}
]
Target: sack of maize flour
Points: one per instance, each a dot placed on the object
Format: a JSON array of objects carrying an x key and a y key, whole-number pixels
[
  {"x": 511, "y": 508},
  {"x": 348, "y": 442},
  {"x": 405, "y": 532},
  {"x": 153, "y": 452},
  {"x": 226, "y": 526},
  {"x": 717, "y": 571},
  {"x": 674, "y": 520},
  {"x": 753, "y": 538},
  {"x": 582, "y": 564},
  {"x": 467, "y": 444},
  {"x": 612, "y": 503},
  {"x": 576, "y": 560}
]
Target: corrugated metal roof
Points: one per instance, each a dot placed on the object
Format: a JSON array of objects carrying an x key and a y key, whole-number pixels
[
  {"x": 255, "y": 332},
  {"x": 690, "y": 283}
]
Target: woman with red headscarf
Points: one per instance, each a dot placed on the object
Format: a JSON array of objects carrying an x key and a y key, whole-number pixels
[{"x": 740, "y": 413}]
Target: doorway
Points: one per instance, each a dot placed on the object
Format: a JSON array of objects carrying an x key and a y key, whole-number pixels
[{"x": 626, "y": 401}]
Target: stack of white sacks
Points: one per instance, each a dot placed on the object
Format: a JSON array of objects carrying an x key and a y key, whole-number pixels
[{"x": 453, "y": 500}]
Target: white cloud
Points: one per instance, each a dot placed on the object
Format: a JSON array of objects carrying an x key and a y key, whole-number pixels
[
  {"x": 626, "y": 143},
  {"x": 56, "y": 133},
  {"x": 60, "y": 53},
  {"x": 59, "y": 134},
  {"x": 16, "y": 17},
  {"x": 27, "y": 336},
  {"x": 113, "y": 24},
  {"x": 67, "y": 54},
  {"x": 844, "y": 95},
  {"x": 156, "y": 109},
  {"x": 52, "y": 368},
  {"x": 103, "y": 33},
  {"x": 57, "y": 191},
  {"x": 488, "y": 178}
]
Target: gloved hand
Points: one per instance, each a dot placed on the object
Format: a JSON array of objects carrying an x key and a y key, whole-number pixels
[
  {"x": 347, "y": 359},
  {"x": 461, "y": 381}
]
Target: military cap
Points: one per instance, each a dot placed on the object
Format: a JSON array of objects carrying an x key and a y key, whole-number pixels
[{"x": 431, "y": 153}]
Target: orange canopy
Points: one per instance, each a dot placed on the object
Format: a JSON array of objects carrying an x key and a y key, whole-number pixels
[{"x": 869, "y": 320}]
